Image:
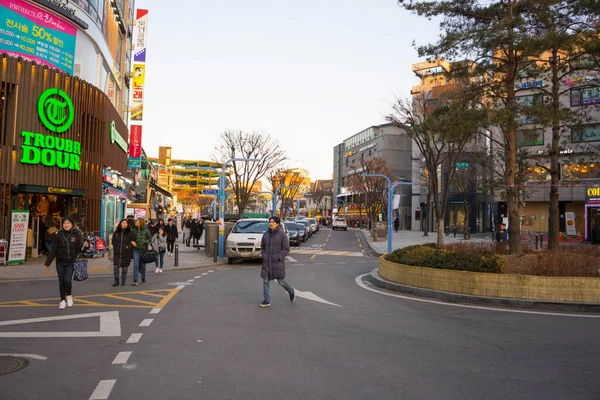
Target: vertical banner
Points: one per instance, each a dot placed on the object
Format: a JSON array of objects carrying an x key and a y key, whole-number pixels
[
  {"x": 570, "y": 219},
  {"x": 135, "y": 146},
  {"x": 18, "y": 236},
  {"x": 136, "y": 101}
]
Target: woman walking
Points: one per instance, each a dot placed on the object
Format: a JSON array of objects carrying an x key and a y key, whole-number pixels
[
  {"x": 68, "y": 243},
  {"x": 199, "y": 231},
  {"x": 141, "y": 239},
  {"x": 194, "y": 232},
  {"x": 172, "y": 235},
  {"x": 160, "y": 223},
  {"x": 122, "y": 251},
  {"x": 159, "y": 243}
]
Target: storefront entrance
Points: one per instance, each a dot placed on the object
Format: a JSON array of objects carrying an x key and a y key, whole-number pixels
[{"x": 593, "y": 217}]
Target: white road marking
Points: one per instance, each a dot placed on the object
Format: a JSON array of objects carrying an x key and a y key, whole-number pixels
[
  {"x": 197, "y": 277},
  {"x": 134, "y": 338},
  {"x": 211, "y": 270},
  {"x": 249, "y": 267},
  {"x": 155, "y": 310},
  {"x": 341, "y": 262},
  {"x": 290, "y": 259},
  {"x": 146, "y": 322},
  {"x": 32, "y": 356},
  {"x": 103, "y": 389},
  {"x": 178, "y": 283},
  {"x": 122, "y": 357},
  {"x": 204, "y": 273},
  {"x": 361, "y": 262},
  {"x": 313, "y": 297},
  {"x": 360, "y": 283},
  {"x": 182, "y": 286},
  {"x": 190, "y": 280},
  {"x": 110, "y": 325},
  {"x": 299, "y": 265}
]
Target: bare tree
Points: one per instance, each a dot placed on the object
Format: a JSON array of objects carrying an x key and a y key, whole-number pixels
[
  {"x": 243, "y": 174},
  {"x": 286, "y": 182},
  {"x": 372, "y": 189}
]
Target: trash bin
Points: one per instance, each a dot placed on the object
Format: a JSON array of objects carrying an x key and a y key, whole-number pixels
[{"x": 211, "y": 231}]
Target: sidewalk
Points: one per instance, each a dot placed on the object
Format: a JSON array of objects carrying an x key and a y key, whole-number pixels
[
  {"x": 402, "y": 239},
  {"x": 33, "y": 268}
]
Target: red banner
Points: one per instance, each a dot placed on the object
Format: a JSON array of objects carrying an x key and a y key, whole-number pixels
[{"x": 135, "y": 141}]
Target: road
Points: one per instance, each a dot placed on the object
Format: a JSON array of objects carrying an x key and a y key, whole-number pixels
[{"x": 201, "y": 335}]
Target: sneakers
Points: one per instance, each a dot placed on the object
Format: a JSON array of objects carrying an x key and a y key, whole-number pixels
[
  {"x": 134, "y": 284},
  {"x": 160, "y": 271},
  {"x": 293, "y": 295},
  {"x": 69, "y": 301},
  {"x": 143, "y": 281},
  {"x": 62, "y": 305},
  {"x": 116, "y": 283},
  {"x": 156, "y": 271},
  {"x": 264, "y": 304}
]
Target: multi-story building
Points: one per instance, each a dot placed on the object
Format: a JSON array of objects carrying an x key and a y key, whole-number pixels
[
  {"x": 386, "y": 142},
  {"x": 320, "y": 207}
]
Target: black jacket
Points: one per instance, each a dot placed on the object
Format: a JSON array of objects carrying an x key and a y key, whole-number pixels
[
  {"x": 66, "y": 246},
  {"x": 171, "y": 232},
  {"x": 595, "y": 236},
  {"x": 274, "y": 247},
  {"x": 122, "y": 249},
  {"x": 194, "y": 228}
]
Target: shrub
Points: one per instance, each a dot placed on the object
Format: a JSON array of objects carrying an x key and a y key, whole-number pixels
[
  {"x": 474, "y": 258},
  {"x": 572, "y": 260}
]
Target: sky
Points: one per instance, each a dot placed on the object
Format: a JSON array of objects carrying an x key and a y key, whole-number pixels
[{"x": 309, "y": 73}]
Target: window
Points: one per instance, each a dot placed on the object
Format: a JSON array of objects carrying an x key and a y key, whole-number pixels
[
  {"x": 586, "y": 133},
  {"x": 590, "y": 170},
  {"x": 530, "y": 137},
  {"x": 535, "y": 173},
  {"x": 585, "y": 96},
  {"x": 524, "y": 102}
]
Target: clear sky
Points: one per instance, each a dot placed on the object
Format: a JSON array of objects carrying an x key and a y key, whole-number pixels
[{"x": 309, "y": 73}]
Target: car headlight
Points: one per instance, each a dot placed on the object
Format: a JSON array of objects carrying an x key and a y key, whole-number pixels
[
  {"x": 294, "y": 235},
  {"x": 230, "y": 243}
]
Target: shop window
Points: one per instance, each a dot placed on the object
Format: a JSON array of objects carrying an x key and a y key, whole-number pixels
[
  {"x": 530, "y": 137},
  {"x": 590, "y": 170},
  {"x": 535, "y": 173},
  {"x": 585, "y": 96},
  {"x": 586, "y": 133},
  {"x": 525, "y": 102}
]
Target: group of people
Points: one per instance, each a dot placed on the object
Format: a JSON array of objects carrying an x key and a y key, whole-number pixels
[{"x": 192, "y": 231}]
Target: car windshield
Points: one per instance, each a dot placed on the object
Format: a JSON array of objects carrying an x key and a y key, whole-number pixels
[
  {"x": 303, "y": 222},
  {"x": 251, "y": 227},
  {"x": 291, "y": 226},
  {"x": 340, "y": 220},
  {"x": 301, "y": 227}
]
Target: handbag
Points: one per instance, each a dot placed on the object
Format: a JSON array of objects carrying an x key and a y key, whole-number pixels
[
  {"x": 81, "y": 272},
  {"x": 149, "y": 256},
  {"x": 111, "y": 254}
]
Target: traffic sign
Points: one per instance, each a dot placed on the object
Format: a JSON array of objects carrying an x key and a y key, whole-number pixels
[
  {"x": 212, "y": 192},
  {"x": 225, "y": 181}
]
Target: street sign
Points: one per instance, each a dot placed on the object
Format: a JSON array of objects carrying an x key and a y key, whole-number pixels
[
  {"x": 225, "y": 182},
  {"x": 212, "y": 192}
]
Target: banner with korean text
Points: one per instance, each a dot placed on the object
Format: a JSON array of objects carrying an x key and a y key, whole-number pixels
[
  {"x": 18, "y": 236},
  {"x": 138, "y": 78}
]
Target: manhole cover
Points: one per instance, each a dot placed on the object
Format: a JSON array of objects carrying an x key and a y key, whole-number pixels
[{"x": 12, "y": 364}]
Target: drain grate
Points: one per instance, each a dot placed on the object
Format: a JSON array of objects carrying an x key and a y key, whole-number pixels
[{"x": 9, "y": 364}]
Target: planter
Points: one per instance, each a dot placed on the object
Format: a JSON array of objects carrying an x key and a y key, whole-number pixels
[{"x": 523, "y": 287}]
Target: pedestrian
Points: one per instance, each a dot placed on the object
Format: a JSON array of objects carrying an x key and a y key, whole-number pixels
[
  {"x": 50, "y": 231},
  {"x": 67, "y": 245},
  {"x": 200, "y": 231},
  {"x": 161, "y": 222},
  {"x": 141, "y": 239},
  {"x": 159, "y": 243},
  {"x": 595, "y": 234},
  {"x": 396, "y": 224},
  {"x": 194, "y": 231},
  {"x": 122, "y": 251},
  {"x": 504, "y": 233},
  {"x": 172, "y": 235},
  {"x": 187, "y": 231},
  {"x": 275, "y": 246}
]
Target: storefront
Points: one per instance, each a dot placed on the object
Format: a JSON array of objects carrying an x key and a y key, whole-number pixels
[
  {"x": 115, "y": 188},
  {"x": 55, "y": 141},
  {"x": 592, "y": 209}
]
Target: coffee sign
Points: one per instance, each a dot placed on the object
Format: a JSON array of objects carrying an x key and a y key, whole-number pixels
[{"x": 592, "y": 195}]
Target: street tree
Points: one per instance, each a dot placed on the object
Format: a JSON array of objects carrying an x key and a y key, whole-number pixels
[
  {"x": 242, "y": 174},
  {"x": 441, "y": 129},
  {"x": 287, "y": 183},
  {"x": 317, "y": 194},
  {"x": 495, "y": 38},
  {"x": 371, "y": 189}
]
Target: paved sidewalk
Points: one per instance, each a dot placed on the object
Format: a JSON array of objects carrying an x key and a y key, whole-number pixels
[
  {"x": 33, "y": 268},
  {"x": 408, "y": 238}
]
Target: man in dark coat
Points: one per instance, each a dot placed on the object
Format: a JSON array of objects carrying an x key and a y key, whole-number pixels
[
  {"x": 172, "y": 235},
  {"x": 122, "y": 251},
  {"x": 274, "y": 247}
]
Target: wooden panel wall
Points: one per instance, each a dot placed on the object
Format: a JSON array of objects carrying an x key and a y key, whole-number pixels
[{"x": 22, "y": 83}]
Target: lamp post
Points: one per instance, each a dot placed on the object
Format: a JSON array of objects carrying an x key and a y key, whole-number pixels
[{"x": 390, "y": 199}]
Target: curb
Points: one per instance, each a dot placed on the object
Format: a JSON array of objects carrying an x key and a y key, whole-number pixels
[
  {"x": 449, "y": 297},
  {"x": 371, "y": 250}
]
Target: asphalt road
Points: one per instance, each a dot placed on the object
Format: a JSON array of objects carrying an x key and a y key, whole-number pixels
[{"x": 206, "y": 338}]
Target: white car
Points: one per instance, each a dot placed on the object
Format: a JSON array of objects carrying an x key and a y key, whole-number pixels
[
  {"x": 339, "y": 223},
  {"x": 244, "y": 240}
]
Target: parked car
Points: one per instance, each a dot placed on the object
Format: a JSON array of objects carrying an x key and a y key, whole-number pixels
[
  {"x": 339, "y": 223},
  {"x": 314, "y": 223},
  {"x": 245, "y": 239},
  {"x": 295, "y": 231},
  {"x": 308, "y": 226}
]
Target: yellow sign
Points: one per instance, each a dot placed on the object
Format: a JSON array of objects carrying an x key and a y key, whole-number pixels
[{"x": 59, "y": 190}]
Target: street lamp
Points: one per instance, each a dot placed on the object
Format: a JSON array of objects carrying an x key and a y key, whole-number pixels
[{"x": 390, "y": 199}]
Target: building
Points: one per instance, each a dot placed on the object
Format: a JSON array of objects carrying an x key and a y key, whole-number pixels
[
  {"x": 192, "y": 186},
  {"x": 63, "y": 139},
  {"x": 320, "y": 199},
  {"x": 386, "y": 142},
  {"x": 292, "y": 185},
  {"x": 434, "y": 81}
]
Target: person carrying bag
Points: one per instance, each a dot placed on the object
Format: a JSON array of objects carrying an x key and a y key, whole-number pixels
[
  {"x": 159, "y": 242},
  {"x": 122, "y": 251}
]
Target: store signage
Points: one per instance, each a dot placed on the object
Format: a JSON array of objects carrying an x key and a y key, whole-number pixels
[
  {"x": 115, "y": 137},
  {"x": 18, "y": 236},
  {"x": 570, "y": 220},
  {"x": 592, "y": 194},
  {"x": 367, "y": 147},
  {"x": 56, "y": 112},
  {"x": 529, "y": 84},
  {"x": 59, "y": 190},
  {"x": 135, "y": 141},
  {"x": 582, "y": 79},
  {"x": 36, "y": 35}
]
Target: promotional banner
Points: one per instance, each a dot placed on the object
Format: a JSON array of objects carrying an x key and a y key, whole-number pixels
[
  {"x": 134, "y": 162},
  {"x": 31, "y": 33},
  {"x": 139, "y": 35},
  {"x": 135, "y": 141},
  {"x": 137, "y": 92},
  {"x": 18, "y": 236},
  {"x": 570, "y": 220}
]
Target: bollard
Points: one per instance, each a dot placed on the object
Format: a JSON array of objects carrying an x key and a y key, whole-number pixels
[
  {"x": 215, "y": 250},
  {"x": 537, "y": 241},
  {"x": 176, "y": 255}
]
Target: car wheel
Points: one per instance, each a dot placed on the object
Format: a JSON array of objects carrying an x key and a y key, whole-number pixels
[{"x": 230, "y": 260}]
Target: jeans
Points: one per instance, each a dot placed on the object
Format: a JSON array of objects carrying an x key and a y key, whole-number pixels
[
  {"x": 137, "y": 265},
  {"x": 267, "y": 288},
  {"x": 160, "y": 259},
  {"x": 48, "y": 246},
  {"x": 116, "y": 273},
  {"x": 170, "y": 245},
  {"x": 65, "y": 278}
]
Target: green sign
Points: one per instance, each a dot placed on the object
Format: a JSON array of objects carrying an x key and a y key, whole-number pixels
[
  {"x": 55, "y": 110},
  {"x": 115, "y": 137}
]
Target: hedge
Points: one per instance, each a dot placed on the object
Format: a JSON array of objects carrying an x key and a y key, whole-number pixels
[{"x": 429, "y": 255}]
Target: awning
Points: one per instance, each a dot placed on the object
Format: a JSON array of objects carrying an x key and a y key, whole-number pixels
[
  {"x": 47, "y": 189},
  {"x": 161, "y": 190}
]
